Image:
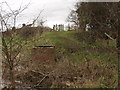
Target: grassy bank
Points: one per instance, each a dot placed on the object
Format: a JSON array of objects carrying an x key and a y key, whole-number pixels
[{"x": 78, "y": 64}]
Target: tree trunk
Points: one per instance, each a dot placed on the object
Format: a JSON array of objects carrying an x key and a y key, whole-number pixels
[{"x": 12, "y": 79}]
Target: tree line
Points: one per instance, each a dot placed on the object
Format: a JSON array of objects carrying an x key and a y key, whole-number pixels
[{"x": 100, "y": 17}]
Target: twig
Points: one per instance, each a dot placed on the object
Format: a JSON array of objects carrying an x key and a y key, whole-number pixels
[
  {"x": 38, "y": 72},
  {"x": 41, "y": 80},
  {"x": 109, "y": 36}
]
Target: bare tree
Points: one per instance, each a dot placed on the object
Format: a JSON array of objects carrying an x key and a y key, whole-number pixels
[
  {"x": 11, "y": 43},
  {"x": 12, "y": 14},
  {"x": 36, "y": 20},
  {"x": 73, "y": 18}
]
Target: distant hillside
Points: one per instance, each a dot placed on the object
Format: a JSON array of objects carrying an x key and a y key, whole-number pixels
[{"x": 26, "y": 31}]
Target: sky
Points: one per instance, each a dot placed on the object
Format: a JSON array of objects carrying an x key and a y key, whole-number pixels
[{"x": 54, "y": 11}]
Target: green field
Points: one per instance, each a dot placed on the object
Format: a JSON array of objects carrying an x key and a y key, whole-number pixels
[{"x": 66, "y": 41}]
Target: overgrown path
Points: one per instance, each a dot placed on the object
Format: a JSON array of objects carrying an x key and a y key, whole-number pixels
[
  {"x": 77, "y": 64},
  {"x": 67, "y": 40}
]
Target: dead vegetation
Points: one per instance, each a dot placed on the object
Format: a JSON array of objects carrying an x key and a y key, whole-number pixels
[
  {"x": 74, "y": 66},
  {"x": 67, "y": 74}
]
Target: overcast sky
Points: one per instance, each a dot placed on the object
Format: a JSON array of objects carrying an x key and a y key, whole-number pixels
[{"x": 55, "y": 11}]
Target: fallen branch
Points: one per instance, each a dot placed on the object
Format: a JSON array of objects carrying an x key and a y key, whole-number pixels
[
  {"x": 41, "y": 80},
  {"x": 109, "y": 36},
  {"x": 38, "y": 72}
]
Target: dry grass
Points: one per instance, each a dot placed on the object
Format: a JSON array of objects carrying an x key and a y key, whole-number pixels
[
  {"x": 68, "y": 74},
  {"x": 79, "y": 69}
]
